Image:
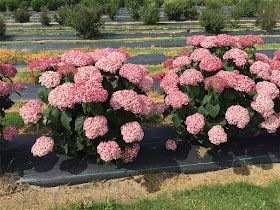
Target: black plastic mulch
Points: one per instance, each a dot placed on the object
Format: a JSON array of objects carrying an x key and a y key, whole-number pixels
[{"x": 53, "y": 169}]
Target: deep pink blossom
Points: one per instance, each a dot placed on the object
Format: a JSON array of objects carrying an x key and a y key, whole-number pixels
[
  {"x": 170, "y": 145},
  {"x": 8, "y": 70},
  {"x": 10, "y": 132},
  {"x": 5, "y": 88},
  {"x": 130, "y": 152},
  {"x": 44, "y": 63}
]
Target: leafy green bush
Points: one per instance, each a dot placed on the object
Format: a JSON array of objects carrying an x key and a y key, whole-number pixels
[
  {"x": 53, "y": 5},
  {"x": 86, "y": 20},
  {"x": 63, "y": 15},
  {"x": 248, "y": 7},
  {"x": 22, "y": 14},
  {"x": 2, "y": 28},
  {"x": 133, "y": 6},
  {"x": 173, "y": 9},
  {"x": 3, "y": 6},
  {"x": 112, "y": 8},
  {"x": 267, "y": 14},
  {"x": 11, "y": 5},
  {"x": 213, "y": 20},
  {"x": 44, "y": 18},
  {"x": 150, "y": 13},
  {"x": 37, "y": 5},
  {"x": 213, "y": 4},
  {"x": 190, "y": 9},
  {"x": 236, "y": 14}
]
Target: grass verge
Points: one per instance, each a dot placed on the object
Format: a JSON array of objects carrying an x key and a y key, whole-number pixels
[{"x": 229, "y": 196}]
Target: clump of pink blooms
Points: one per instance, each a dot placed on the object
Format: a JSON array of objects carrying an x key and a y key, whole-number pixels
[
  {"x": 222, "y": 67},
  {"x": 43, "y": 146},
  {"x": 31, "y": 111},
  {"x": 109, "y": 150},
  {"x": 92, "y": 89},
  {"x": 170, "y": 145},
  {"x": 10, "y": 132},
  {"x": 195, "y": 123},
  {"x": 237, "y": 115},
  {"x": 132, "y": 132},
  {"x": 95, "y": 127},
  {"x": 217, "y": 135}
]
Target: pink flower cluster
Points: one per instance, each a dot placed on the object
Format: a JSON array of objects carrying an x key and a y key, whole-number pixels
[
  {"x": 95, "y": 127},
  {"x": 5, "y": 88},
  {"x": 43, "y": 146},
  {"x": 191, "y": 77},
  {"x": 238, "y": 56},
  {"x": 200, "y": 53},
  {"x": 169, "y": 82},
  {"x": 261, "y": 69},
  {"x": 237, "y": 115},
  {"x": 50, "y": 79},
  {"x": 77, "y": 58},
  {"x": 104, "y": 52},
  {"x": 109, "y": 150},
  {"x": 177, "y": 99},
  {"x": 195, "y": 123},
  {"x": 271, "y": 124},
  {"x": 10, "y": 132},
  {"x": 217, "y": 135},
  {"x": 130, "y": 152},
  {"x": 211, "y": 63},
  {"x": 8, "y": 70},
  {"x": 216, "y": 83},
  {"x": 31, "y": 111},
  {"x": 170, "y": 145},
  {"x": 88, "y": 73},
  {"x": 132, "y": 132},
  {"x": 181, "y": 61},
  {"x": 45, "y": 63}
]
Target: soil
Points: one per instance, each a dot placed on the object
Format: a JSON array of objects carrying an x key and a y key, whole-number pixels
[{"x": 20, "y": 196}]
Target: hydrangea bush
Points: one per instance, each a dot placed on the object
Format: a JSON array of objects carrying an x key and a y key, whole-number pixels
[
  {"x": 95, "y": 104},
  {"x": 221, "y": 87},
  {"x": 7, "y": 87}
]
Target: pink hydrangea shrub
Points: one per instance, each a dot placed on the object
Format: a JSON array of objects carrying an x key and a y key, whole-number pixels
[
  {"x": 43, "y": 146},
  {"x": 226, "y": 84},
  {"x": 94, "y": 101},
  {"x": 8, "y": 70}
]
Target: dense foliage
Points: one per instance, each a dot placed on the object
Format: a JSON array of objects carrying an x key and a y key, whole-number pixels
[
  {"x": 2, "y": 28},
  {"x": 95, "y": 104},
  {"x": 173, "y": 9},
  {"x": 44, "y": 18},
  {"x": 133, "y": 7},
  {"x": 150, "y": 12},
  {"x": 22, "y": 13},
  {"x": 222, "y": 87}
]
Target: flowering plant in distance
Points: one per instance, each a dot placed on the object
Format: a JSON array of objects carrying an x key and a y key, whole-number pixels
[
  {"x": 95, "y": 103},
  {"x": 223, "y": 86},
  {"x": 7, "y": 87}
]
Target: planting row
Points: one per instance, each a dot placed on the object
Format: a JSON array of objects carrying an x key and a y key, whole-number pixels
[{"x": 94, "y": 102}]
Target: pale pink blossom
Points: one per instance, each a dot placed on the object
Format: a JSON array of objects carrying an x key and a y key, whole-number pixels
[
  {"x": 95, "y": 127},
  {"x": 181, "y": 61},
  {"x": 261, "y": 69},
  {"x": 177, "y": 99},
  {"x": 217, "y": 135},
  {"x": 109, "y": 150},
  {"x": 10, "y": 132},
  {"x": 195, "y": 123},
  {"x": 31, "y": 111},
  {"x": 191, "y": 77},
  {"x": 271, "y": 124},
  {"x": 50, "y": 79},
  {"x": 211, "y": 63},
  {"x": 237, "y": 115},
  {"x": 132, "y": 132},
  {"x": 88, "y": 73},
  {"x": 43, "y": 146},
  {"x": 170, "y": 145},
  {"x": 200, "y": 53}
]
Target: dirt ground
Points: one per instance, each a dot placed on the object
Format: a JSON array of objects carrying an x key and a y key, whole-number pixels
[{"x": 20, "y": 196}]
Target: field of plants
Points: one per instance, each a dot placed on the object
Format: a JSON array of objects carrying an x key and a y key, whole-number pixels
[{"x": 108, "y": 95}]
